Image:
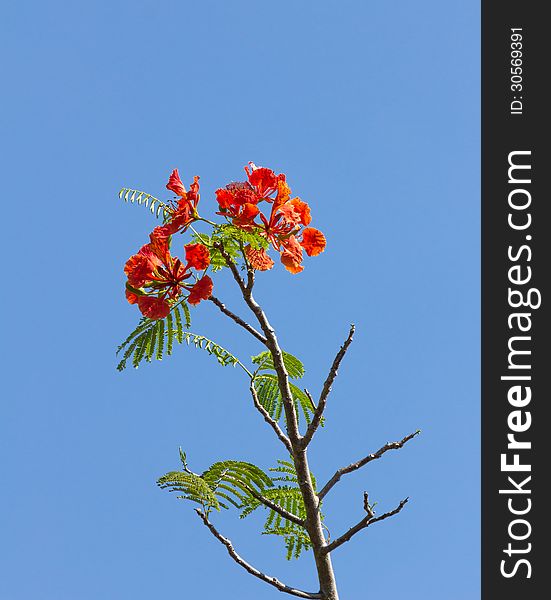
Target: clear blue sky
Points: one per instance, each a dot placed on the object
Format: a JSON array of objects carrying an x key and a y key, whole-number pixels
[{"x": 371, "y": 108}]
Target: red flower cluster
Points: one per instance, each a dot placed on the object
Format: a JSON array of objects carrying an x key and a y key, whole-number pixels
[
  {"x": 155, "y": 277},
  {"x": 286, "y": 226}
]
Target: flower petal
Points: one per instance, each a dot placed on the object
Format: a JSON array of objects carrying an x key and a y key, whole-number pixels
[
  {"x": 175, "y": 184},
  {"x": 202, "y": 290},
  {"x": 153, "y": 307},
  {"x": 258, "y": 259},
  {"x": 313, "y": 241},
  {"x": 303, "y": 210},
  {"x": 291, "y": 256},
  {"x": 197, "y": 256}
]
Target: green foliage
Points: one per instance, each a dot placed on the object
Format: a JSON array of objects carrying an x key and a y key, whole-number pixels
[
  {"x": 294, "y": 366},
  {"x": 233, "y": 239},
  {"x": 287, "y": 495},
  {"x": 136, "y": 197},
  {"x": 232, "y": 481},
  {"x": 148, "y": 339},
  {"x": 267, "y": 388},
  {"x": 270, "y": 397},
  {"x": 239, "y": 483},
  {"x": 223, "y": 483}
]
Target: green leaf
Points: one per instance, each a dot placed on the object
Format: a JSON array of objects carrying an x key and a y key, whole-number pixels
[
  {"x": 269, "y": 395},
  {"x": 233, "y": 239},
  {"x": 294, "y": 366},
  {"x": 223, "y": 483},
  {"x": 288, "y": 496},
  {"x": 137, "y": 197},
  {"x": 148, "y": 340}
]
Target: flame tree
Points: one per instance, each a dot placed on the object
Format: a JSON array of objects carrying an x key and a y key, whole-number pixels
[{"x": 256, "y": 217}]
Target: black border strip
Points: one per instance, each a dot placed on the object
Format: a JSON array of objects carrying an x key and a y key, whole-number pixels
[{"x": 516, "y": 252}]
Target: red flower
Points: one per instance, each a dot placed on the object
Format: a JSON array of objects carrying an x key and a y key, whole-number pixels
[
  {"x": 313, "y": 241},
  {"x": 237, "y": 201},
  {"x": 283, "y": 228},
  {"x": 175, "y": 184},
  {"x": 164, "y": 276},
  {"x": 197, "y": 256},
  {"x": 139, "y": 268},
  {"x": 258, "y": 259},
  {"x": 153, "y": 307},
  {"x": 184, "y": 212},
  {"x": 202, "y": 290},
  {"x": 263, "y": 180},
  {"x": 131, "y": 296}
]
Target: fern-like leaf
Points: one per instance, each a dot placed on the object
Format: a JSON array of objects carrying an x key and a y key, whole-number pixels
[
  {"x": 288, "y": 496},
  {"x": 155, "y": 205},
  {"x": 223, "y": 483},
  {"x": 294, "y": 366},
  {"x": 269, "y": 396},
  {"x": 233, "y": 480},
  {"x": 191, "y": 487},
  {"x": 147, "y": 341}
]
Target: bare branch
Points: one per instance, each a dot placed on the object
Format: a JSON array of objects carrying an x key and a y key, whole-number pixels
[
  {"x": 237, "y": 319},
  {"x": 326, "y": 390},
  {"x": 360, "y": 463},
  {"x": 276, "y": 508},
  {"x": 368, "y": 520},
  {"x": 273, "y": 424},
  {"x": 249, "y": 568}
]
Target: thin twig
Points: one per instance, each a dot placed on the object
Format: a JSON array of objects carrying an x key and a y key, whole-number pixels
[
  {"x": 326, "y": 390},
  {"x": 271, "y": 422},
  {"x": 368, "y": 520},
  {"x": 237, "y": 319},
  {"x": 249, "y": 568},
  {"x": 360, "y": 463}
]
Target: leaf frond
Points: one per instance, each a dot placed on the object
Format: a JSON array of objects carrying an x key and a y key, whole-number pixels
[{"x": 156, "y": 206}]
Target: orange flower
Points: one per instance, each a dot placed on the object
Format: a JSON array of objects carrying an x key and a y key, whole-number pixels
[
  {"x": 258, "y": 259},
  {"x": 291, "y": 256},
  {"x": 283, "y": 192},
  {"x": 313, "y": 241},
  {"x": 197, "y": 256},
  {"x": 303, "y": 210},
  {"x": 202, "y": 290}
]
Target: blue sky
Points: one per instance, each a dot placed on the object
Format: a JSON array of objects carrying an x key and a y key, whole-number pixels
[{"x": 371, "y": 108}]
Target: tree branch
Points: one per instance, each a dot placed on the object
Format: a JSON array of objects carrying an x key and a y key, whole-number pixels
[
  {"x": 232, "y": 266},
  {"x": 368, "y": 520},
  {"x": 360, "y": 463},
  {"x": 249, "y": 568},
  {"x": 313, "y": 524},
  {"x": 273, "y": 424},
  {"x": 326, "y": 390},
  {"x": 237, "y": 319},
  {"x": 276, "y": 508}
]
